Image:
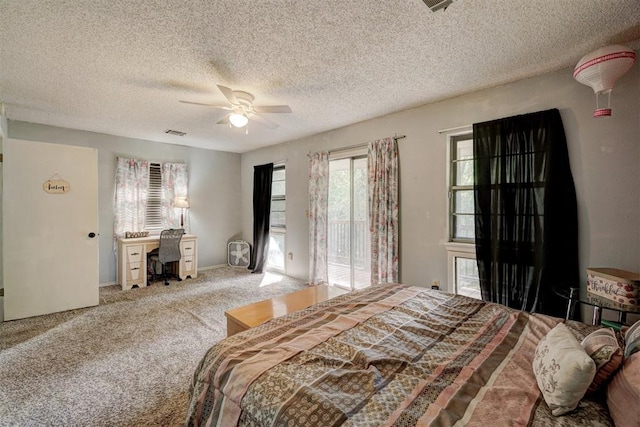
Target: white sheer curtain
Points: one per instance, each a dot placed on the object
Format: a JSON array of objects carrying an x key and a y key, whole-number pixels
[
  {"x": 130, "y": 204},
  {"x": 175, "y": 183},
  {"x": 383, "y": 209},
  {"x": 318, "y": 216}
]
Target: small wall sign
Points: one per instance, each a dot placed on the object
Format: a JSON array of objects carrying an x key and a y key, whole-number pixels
[{"x": 56, "y": 186}]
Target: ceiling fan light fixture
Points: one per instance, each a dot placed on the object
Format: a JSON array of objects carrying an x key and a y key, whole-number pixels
[
  {"x": 240, "y": 109},
  {"x": 238, "y": 120}
]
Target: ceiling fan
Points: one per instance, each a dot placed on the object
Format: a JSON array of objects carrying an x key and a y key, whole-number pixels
[{"x": 242, "y": 109}]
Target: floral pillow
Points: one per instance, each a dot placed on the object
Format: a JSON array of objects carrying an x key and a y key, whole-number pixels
[
  {"x": 602, "y": 345},
  {"x": 563, "y": 370}
]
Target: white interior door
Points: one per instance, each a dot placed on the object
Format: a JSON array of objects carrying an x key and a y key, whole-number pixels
[{"x": 50, "y": 258}]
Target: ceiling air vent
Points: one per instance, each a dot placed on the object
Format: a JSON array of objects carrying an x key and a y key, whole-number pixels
[
  {"x": 436, "y": 5},
  {"x": 175, "y": 132}
]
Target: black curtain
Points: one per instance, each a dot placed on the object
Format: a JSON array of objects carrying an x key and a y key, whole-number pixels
[
  {"x": 526, "y": 220},
  {"x": 262, "y": 177}
]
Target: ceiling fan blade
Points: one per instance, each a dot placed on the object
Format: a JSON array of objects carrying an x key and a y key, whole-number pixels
[
  {"x": 222, "y": 107},
  {"x": 228, "y": 93},
  {"x": 273, "y": 109},
  {"x": 266, "y": 122},
  {"x": 224, "y": 120}
]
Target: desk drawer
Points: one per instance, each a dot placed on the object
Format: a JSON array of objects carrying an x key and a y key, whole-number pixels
[
  {"x": 135, "y": 275},
  {"x": 135, "y": 253},
  {"x": 188, "y": 265},
  {"x": 187, "y": 249}
]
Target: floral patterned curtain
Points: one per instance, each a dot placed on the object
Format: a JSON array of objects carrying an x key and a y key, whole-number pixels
[
  {"x": 318, "y": 216},
  {"x": 130, "y": 204},
  {"x": 383, "y": 209},
  {"x": 175, "y": 183}
]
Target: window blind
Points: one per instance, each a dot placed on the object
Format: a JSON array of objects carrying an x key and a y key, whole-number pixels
[{"x": 153, "y": 218}]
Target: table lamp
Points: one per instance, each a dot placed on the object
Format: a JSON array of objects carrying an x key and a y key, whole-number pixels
[{"x": 181, "y": 202}]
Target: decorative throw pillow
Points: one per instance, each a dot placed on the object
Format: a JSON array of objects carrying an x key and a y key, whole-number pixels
[
  {"x": 632, "y": 339},
  {"x": 563, "y": 370},
  {"x": 623, "y": 393},
  {"x": 602, "y": 346}
]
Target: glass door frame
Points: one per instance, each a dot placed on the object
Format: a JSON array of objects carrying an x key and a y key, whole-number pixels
[{"x": 352, "y": 156}]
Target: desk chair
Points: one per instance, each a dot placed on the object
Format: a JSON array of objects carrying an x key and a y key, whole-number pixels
[{"x": 168, "y": 251}]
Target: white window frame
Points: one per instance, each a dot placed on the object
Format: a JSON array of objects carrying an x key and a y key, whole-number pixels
[
  {"x": 455, "y": 251},
  {"x": 450, "y": 187},
  {"x": 280, "y": 230},
  {"x": 455, "y": 248}
]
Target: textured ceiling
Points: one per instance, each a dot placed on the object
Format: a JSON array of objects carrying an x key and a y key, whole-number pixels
[{"x": 120, "y": 66}]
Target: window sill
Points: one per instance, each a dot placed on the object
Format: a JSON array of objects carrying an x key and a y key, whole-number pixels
[{"x": 460, "y": 247}]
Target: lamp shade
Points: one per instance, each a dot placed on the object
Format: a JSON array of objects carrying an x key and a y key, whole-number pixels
[
  {"x": 601, "y": 68},
  {"x": 181, "y": 202}
]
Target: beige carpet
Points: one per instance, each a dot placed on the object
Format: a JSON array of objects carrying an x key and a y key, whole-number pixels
[{"x": 126, "y": 362}]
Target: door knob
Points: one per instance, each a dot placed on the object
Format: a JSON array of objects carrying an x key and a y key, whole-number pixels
[{"x": 92, "y": 235}]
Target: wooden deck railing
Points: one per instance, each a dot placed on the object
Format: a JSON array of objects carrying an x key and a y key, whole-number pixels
[{"x": 339, "y": 246}]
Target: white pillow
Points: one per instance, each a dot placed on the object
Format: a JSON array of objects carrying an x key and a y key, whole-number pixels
[{"x": 563, "y": 370}]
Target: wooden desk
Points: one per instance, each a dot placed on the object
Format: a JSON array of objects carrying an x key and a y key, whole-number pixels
[
  {"x": 132, "y": 259},
  {"x": 248, "y": 316}
]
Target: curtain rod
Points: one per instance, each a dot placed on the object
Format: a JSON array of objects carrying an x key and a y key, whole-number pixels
[
  {"x": 455, "y": 129},
  {"x": 352, "y": 147}
]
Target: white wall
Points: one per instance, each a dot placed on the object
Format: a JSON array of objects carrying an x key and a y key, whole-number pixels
[
  {"x": 213, "y": 187},
  {"x": 604, "y": 155},
  {"x": 3, "y": 135}
]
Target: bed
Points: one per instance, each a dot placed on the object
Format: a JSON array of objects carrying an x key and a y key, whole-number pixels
[{"x": 387, "y": 355}]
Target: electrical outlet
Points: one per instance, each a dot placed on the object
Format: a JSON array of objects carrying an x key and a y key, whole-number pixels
[{"x": 290, "y": 255}]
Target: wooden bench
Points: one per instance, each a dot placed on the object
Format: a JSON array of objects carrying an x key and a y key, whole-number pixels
[{"x": 245, "y": 317}]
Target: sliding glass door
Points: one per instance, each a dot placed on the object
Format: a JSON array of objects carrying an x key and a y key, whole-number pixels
[{"x": 348, "y": 237}]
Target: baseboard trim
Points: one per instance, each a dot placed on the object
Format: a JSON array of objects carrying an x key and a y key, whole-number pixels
[
  {"x": 103, "y": 284},
  {"x": 211, "y": 267}
]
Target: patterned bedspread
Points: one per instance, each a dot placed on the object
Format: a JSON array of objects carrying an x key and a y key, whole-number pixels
[{"x": 387, "y": 355}]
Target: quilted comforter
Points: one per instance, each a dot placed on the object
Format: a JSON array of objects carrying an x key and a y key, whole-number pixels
[{"x": 387, "y": 355}]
